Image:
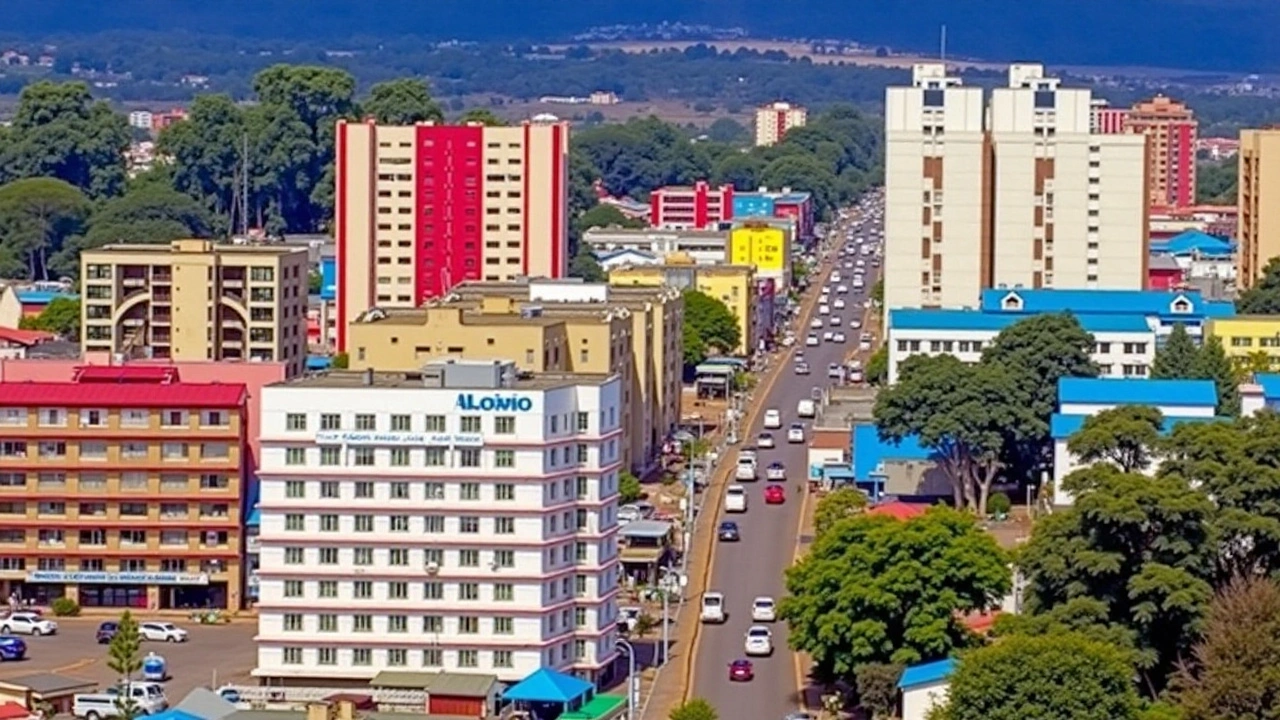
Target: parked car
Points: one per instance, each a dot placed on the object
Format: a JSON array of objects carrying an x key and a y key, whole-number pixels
[
  {"x": 106, "y": 631},
  {"x": 12, "y": 648},
  {"x": 27, "y": 623},
  {"x": 162, "y": 632}
]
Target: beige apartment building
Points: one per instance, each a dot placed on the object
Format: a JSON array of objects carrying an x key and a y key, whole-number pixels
[
  {"x": 548, "y": 326},
  {"x": 196, "y": 300},
  {"x": 1069, "y": 207},
  {"x": 422, "y": 208},
  {"x": 775, "y": 119},
  {"x": 1259, "y": 203},
  {"x": 937, "y": 225},
  {"x": 733, "y": 285}
]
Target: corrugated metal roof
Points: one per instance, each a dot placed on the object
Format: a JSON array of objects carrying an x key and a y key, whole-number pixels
[
  {"x": 869, "y": 450},
  {"x": 926, "y": 673},
  {"x": 437, "y": 683},
  {"x": 1135, "y": 391},
  {"x": 130, "y": 395},
  {"x": 1062, "y": 426},
  {"x": 905, "y": 319},
  {"x": 1105, "y": 302},
  {"x": 127, "y": 374},
  {"x": 24, "y": 337},
  {"x": 1194, "y": 242},
  {"x": 1270, "y": 383}
]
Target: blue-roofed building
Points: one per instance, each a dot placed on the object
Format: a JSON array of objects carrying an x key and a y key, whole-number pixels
[
  {"x": 1262, "y": 392},
  {"x": 882, "y": 468},
  {"x": 1194, "y": 243},
  {"x": 1181, "y": 401},
  {"x": 924, "y": 687},
  {"x": 612, "y": 259}
]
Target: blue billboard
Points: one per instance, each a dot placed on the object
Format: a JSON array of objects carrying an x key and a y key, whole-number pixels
[
  {"x": 328, "y": 278},
  {"x": 752, "y": 205}
]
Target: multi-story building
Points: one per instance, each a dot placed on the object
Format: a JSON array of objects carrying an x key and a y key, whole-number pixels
[
  {"x": 196, "y": 300},
  {"x": 1251, "y": 340},
  {"x": 734, "y": 285},
  {"x": 695, "y": 207},
  {"x": 1171, "y": 128},
  {"x": 422, "y": 208},
  {"x": 1069, "y": 206},
  {"x": 764, "y": 247},
  {"x": 140, "y": 119},
  {"x": 550, "y": 326},
  {"x": 775, "y": 119},
  {"x": 122, "y": 488},
  {"x": 460, "y": 518},
  {"x": 786, "y": 203},
  {"x": 1106, "y": 120},
  {"x": 1128, "y": 326},
  {"x": 1259, "y": 202},
  {"x": 937, "y": 160},
  {"x": 706, "y": 247}
]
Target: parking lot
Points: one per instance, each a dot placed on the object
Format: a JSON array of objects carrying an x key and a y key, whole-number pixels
[{"x": 215, "y": 655}]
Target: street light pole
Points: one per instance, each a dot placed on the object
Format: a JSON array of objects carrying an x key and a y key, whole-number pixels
[
  {"x": 666, "y": 613},
  {"x": 631, "y": 678}
]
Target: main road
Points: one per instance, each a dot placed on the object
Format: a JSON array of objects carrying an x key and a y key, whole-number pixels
[{"x": 754, "y": 566}]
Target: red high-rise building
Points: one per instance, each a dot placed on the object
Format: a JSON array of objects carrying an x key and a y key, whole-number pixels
[
  {"x": 1171, "y": 129},
  {"x": 696, "y": 207}
]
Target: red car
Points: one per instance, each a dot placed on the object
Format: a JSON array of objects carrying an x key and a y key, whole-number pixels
[
  {"x": 741, "y": 671},
  {"x": 774, "y": 495}
]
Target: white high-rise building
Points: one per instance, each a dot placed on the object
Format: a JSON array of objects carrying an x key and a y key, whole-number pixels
[
  {"x": 936, "y": 244},
  {"x": 141, "y": 119},
  {"x": 775, "y": 119},
  {"x": 459, "y": 519},
  {"x": 1070, "y": 207}
]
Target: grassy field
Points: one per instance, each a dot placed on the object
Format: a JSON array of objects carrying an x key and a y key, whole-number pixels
[{"x": 674, "y": 111}]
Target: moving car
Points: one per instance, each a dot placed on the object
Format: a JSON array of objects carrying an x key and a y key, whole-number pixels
[
  {"x": 836, "y": 321},
  {"x": 741, "y": 671},
  {"x": 855, "y": 324},
  {"x": 822, "y": 310},
  {"x": 763, "y": 609},
  {"x": 838, "y": 304},
  {"x": 162, "y": 632},
  {"x": 802, "y": 368},
  {"x": 816, "y": 324},
  {"x": 795, "y": 433},
  {"x": 827, "y": 336},
  {"x": 834, "y": 371},
  {"x": 735, "y": 499},
  {"x": 713, "y": 608},
  {"x": 765, "y": 440},
  {"x": 746, "y": 469},
  {"x": 837, "y": 337},
  {"x": 811, "y": 341},
  {"x": 27, "y": 623},
  {"x": 107, "y": 630},
  {"x": 772, "y": 419},
  {"x": 12, "y": 648},
  {"x": 759, "y": 641},
  {"x": 729, "y": 531},
  {"x": 806, "y": 408},
  {"x": 776, "y": 472},
  {"x": 855, "y": 376},
  {"x": 774, "y": 495}
]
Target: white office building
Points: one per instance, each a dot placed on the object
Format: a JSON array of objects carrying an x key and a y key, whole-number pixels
[
  {"x": 704, "y": 247},
  {"x": 140, "y": 119},
  {"x": 460, "y": 519}
]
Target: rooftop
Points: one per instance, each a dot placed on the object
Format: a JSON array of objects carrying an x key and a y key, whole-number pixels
[
  {"x": 1163, "y": 303},
  {"x": 374, "y": 380},
  {"x": 926, "y": 674},
  {"x": 193, "y": 246},
  {"x": 123, "y": 395},
  {"x": 647, "y": 529},
  {"x": 1135, "y": 391},
  {"x": 469, "y": 315},
  {"x": 1062, "y": 426},
  {"x": 910, "y": 319},
  {"x": 640, "y": 233},
  {"x": 437, "y": 683},
  {"x": 1194, "y": 242},
  {"x": 1270, "y": 383},
  {"x": 869, "y": 451},
  {"x": 48, "y": 683}
]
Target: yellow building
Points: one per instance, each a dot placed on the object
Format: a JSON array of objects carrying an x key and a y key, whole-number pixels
[
  {"x": 196, "y": 300},
  {"x": 764, "y": 246},
  {"x": 547, "y": 326},
  {"x": 1258, "y": 199},
  {"x": 734, "y": 285},
  {"x": 1251, "y": 340}
]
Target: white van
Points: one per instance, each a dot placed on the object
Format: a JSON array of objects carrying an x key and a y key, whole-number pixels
[
  {"x": 772, "y": 419},
  {"x": 746, "y": 469},
  {"x": 713, "y": 608},
  {"x": 735, "y": 499},
  {"x": 806, "y": 408}
]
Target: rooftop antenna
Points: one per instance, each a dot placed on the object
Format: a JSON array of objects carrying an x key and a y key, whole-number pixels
[{"x": 942, "y": 46}]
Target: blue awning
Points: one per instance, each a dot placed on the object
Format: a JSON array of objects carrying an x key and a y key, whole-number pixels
[
  {"x": 548, "y": 686},
  {"x": 318, "y": 362},
  {"x": 254, "y": 519}
]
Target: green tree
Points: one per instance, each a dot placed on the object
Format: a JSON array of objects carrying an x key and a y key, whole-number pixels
[
  {"x": 740, "y": 170},
  {"x": 60, "y": 316},
  {"x": 1216, "y": 182},
  {"x": 147, "y": 214},
  {"x": 1138, "y": 546},
  {"x": 728, "y": 130},
  {"x": 629, "y": 488},
  {"x": 484, "y": 116},
  {"x": 877, "y": 685},
  {"x": 606, "y": 216},
  {"x": 1124, "y": 435},
  {"x": 1263, "y": 298},
  {"x": 695, "y": 709},
  {"x": 708, "y": 326},
  {"x": 59, "y": 131},
  {"x": 401, "y": 102},
  {"x": 838, "y": 505},
  {"x": 37, "y": 217},
  {"x": 966, "y": 414},
  {"x": 877, "y": 370},
  {"x": 1051, "y": 677},
  {"x": 877, "y": 292},
  {"x": 874, "y": 589},
  {"x": 1213, "y": 364},
  {"x": 1177, "y": 360},
  {"x": 124, "y": 658},
  {"x": 585, "y": 265},
  {"x": 1234, "y": 672},
  {"x": 207, "y": 151}
]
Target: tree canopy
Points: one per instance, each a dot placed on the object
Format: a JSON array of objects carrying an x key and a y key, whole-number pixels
[
  {"x": 1125, "y": 436},
  {"x": 1177, "y": 359},
  {"x": 401, "y": 102},
  {"x": 38, "y": 216},
  {"x": 708, "y": 326},
  {"x": 839, "y": 504},
  {"x": 874, "y": 589},
  {"x": 1263, "y": 297}
]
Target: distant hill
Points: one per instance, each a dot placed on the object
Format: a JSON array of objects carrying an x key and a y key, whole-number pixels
[{"x": 1227, "y": 35}]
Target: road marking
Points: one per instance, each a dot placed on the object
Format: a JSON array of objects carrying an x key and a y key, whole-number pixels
[
  {"x": 77, "y": 665},
  {"x": 764, "y": 389}
]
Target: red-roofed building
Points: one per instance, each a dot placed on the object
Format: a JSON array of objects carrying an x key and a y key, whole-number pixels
[
  {"x": 899, "y": 510},
  {"x": 122, "y": 487},
  {"x": 14, "y": 343},
  {"x": 15, "y": 711}
]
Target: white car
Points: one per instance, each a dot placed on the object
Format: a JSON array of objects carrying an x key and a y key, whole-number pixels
[
  {"x": 772, "y": 419},
  {"x": 795, "y": 433},
  {"x": 759, "y": 641},
  {"x": 836, "y": 321},
  {"x": 763, "y": 609},
  {"x": 837, "y": 337},
  {"x": 855, "y": 376},
  {"x": 822, "y": 310},
  {"x": 843, "y": 289},
  {"x": 855, "y": 324},
  {"x": 838, "y": 304},
  {"x": 776, "y": 472},
  {"x": 162, "y": 632},
  {"x": 816, "y": 323},
  {"x": 735, "y": 499},
  {"x": 713, "y": 608},
  {"x": 828, "y": 336},
  {"x": 811, "y": 341},
  {"x": 27, "y": 623},
  {"x": 765, "y": 440}
]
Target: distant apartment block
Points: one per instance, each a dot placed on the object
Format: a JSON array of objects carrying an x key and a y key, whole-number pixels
[
  {"x": 1106, "y": 120},
  {"x": 1259, "y": 202},
  {"x": 775, "y": 119},
  {"x": 196, "y": 300},
  {"x": 1171, "y": 128},
  {"x": 140, "y": 119},
  {"x": 422, "y": 208},
  {"x": 691, "y": 207}
]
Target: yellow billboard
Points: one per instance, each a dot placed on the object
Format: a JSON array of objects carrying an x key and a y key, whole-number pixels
[{"x": 763, "y": 247}]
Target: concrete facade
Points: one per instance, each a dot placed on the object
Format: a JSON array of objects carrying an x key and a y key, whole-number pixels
[
  {"x": 775, "y": 119},
  {"x": 1259, "y": 203},
  {"x": 733, "y": 285}
]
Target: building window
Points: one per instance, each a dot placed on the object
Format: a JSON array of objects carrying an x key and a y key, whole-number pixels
[
  {"x": 469, "y": 491},
  {"x": 328, "y": 556},
  {"x": 327, "y": 656},
  {"x": 328, "y": 523},
  {"x": 504, "y": 491},
  {"x": 399, "y": 457},
  {"x": 470, "y": 424},
  {"x": 293, "y": 588},
  {"x": 293, "y": 656},
  {"x": 293, "y": 622},
  {"x": 503, "y": 659},
  {"x": 328, "y": 589},
  {"x": 363, "y": 523},
  {"x": 504, "y": 592},
  {"x": 295, "y": 422},
  {"x": 330, "y": 421},
  {"x": 504, "y": 526},
  {"x": 434, "y": 491},
  {"x": 327, "y": 622},
  {"x": 435, "y": 457},
  {"x": 504, "y": 558},
  {"x": 433, "y": 524},
  {"x": 362, "y": 623},
  {"x": 504, "y": 425},
  {"x": 468, "y": 558},
  {"x": 295, "y": 456},
  {"x": 364, "y": 489},
  {"x": 399, "y": 491},
  {"x": 401, "y": 423},
  {"x": 330, "y": 456},
  {"x": 295, "y": 522},
  {"x": 435, "y": 424},
  {"x": 366, "y": 421},
  {"x": 362, "y": 589},
  {"x": 361, "y": 656},
  {"x": 362, "y": 556},
  {"x": 469, "y": 458},
  {"x": 503, "y": 626},
  {"x": 294, "y": 556},
  {"x": 399, "y": 523},
  {"x": 469, "y": 524},
  {"x": 468, "y": 658},
  {"x": 504, "y": 458},
  {"x": 583, "y": 422},
  {"x": 363, "y": 457},
  {"x": 330, "y": 490}
]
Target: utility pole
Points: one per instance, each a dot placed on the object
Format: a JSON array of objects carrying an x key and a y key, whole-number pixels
[
  {"x": 942, "y": 50},
  {"x": 244, "y": 184}
]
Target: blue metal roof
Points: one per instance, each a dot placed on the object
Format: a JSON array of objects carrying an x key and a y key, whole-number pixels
[
  {"x": 1270, "y": 383},
  {"x": 869, "y": 450},
  {"x": 549, "y": 686},
  {"x": 1194, "y": 242},
  {"x": 926, "y": 673},
  {"x": 42, "y": 297},
  {"x": 1109, "y": 302},
  {"x": 1137, "y": 391},
  {"x": 611, "y": 254},
  {"x": 1064, "y": 426},
  {"x": 319, "y": 362},
  {"x": 904, "y": 319}
]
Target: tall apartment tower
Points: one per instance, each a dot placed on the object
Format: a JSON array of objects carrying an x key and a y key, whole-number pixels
[
  {"x": 937, "y": 222},
  {"x": 1172, "y": 129},
  {"x": 1259, "y": 202},
  {"x": 1106, "y": 120},
  {"x": 422, "y": 208},
  {"x": 1069, "y": 206},
  {"x": 775, "y": 119}
]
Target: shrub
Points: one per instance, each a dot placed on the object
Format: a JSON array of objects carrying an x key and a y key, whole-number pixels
[
  {"x": 65, "y": 607},
  {"x": 998, "y": 504}
]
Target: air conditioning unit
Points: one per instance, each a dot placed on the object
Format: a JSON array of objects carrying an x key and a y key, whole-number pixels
[{"x": 431, "y": 567}]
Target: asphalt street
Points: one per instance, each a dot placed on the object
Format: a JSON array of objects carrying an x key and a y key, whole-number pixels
[{"x": 754, "y": 565}]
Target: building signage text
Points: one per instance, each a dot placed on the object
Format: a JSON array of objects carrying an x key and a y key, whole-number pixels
[
  {"x": 471, "y": 402},
  {"x": 340, "y": 437},
  {"x": 118, "y": 578}
]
